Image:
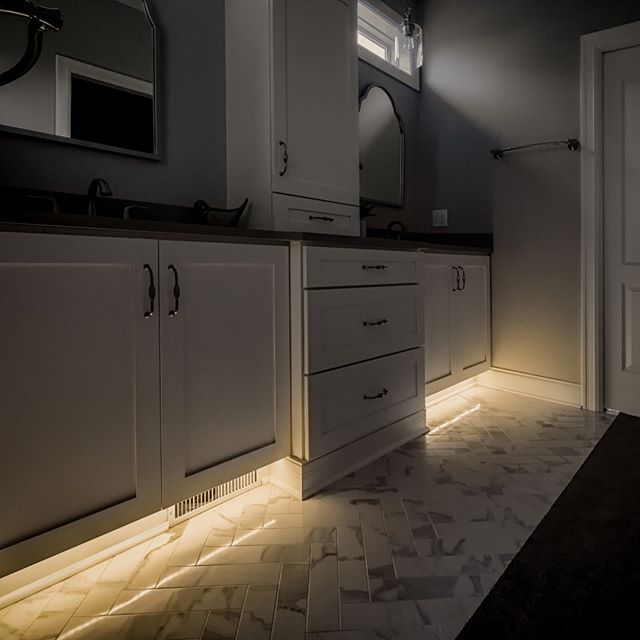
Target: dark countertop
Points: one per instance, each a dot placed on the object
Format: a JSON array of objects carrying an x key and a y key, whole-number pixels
[{"x": 74, "y": 224}]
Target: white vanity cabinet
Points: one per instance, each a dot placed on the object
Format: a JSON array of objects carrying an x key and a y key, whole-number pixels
[
  {"x": 225, "y": 362},
  {"x": 79, "y": 382},
  {"x": 135, "y": 374},
  {"x": 457, "y": 318},
  {"x": 357, "y": 359},
  {"x": 292, "y": 113}
]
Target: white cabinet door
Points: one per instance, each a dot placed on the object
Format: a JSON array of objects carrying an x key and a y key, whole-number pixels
[
  {"x": 315, "y": 119},
  {"x": 438, "y": 281},
  {"x": 225, "y": 362},
  {"x": 79, "y": 414},
  {"x": 470, "y": 310},
  {"x": 457, "y": 318}
]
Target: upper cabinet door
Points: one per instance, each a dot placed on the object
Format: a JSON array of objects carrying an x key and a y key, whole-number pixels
[
  {"x": 225, "y": 362},
  {"x": 315, "y": 71},
  {"x": 79, "y": 415},
  {"x": 471, "y": 317}
]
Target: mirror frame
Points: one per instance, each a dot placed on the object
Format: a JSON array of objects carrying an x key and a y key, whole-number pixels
[
  {"x": 363, "y": 96},
  {"x": 156, "y": 155}
]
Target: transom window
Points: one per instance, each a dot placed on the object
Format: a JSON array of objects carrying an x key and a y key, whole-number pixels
[{"x": 378, "y": 28}]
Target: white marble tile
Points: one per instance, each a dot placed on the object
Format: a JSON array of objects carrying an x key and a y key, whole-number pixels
[{"x": 324, "y": 602}]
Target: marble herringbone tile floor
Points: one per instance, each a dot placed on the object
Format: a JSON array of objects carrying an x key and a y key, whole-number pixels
[{"x": 405, "y": 548}]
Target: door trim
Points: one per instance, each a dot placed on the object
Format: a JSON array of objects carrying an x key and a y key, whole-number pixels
[{"x": 593, "y": 46}]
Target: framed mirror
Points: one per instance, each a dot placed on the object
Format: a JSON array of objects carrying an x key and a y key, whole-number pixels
[
  {"x": 93, "y": 82},
  {"x": 381, "y": 136}
]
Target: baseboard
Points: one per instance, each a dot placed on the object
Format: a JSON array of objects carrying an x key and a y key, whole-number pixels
[
  {"x": 567, "y": 393},
  {"x": 449, "y": 392},
  {"x": 46, "y": 573},
  {"x": 302, "y": 479}
]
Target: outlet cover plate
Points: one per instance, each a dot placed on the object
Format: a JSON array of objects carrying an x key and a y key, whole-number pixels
[{"x": 440, "y": 217}]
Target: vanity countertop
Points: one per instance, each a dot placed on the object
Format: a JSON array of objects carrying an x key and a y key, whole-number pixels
[{"x": 72, "y": 224}]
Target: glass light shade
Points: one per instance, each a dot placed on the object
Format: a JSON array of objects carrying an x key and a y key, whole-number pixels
[{"x": 408, "y": 45}]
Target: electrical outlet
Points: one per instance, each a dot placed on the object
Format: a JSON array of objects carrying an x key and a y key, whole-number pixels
[{"x": 440, "y": 217}]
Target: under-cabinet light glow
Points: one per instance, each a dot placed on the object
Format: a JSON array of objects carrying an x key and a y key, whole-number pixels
[
  {"x": 163, "y": 582},
  {"x": 457, "y": 418}
]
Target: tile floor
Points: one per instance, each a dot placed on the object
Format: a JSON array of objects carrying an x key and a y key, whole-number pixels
[{"x": 405, "y": 548}]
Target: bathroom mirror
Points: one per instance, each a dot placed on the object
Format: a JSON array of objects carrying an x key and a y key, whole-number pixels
[
  {"x": 93, "y": 83},
  {"x": 381, "y": 149}
]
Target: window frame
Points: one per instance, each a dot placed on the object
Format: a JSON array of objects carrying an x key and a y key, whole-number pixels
[{"x": 386, "y": 66}]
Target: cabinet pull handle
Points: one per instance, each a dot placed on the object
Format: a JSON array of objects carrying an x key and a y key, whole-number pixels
[
  {"x": 324, "y": 218},
  {"x": 457, "y": 287},
  {"x": 464, "y": 278},
  {"x": 382, "y": 394},
  {"x": 151, "y": 292},
  {"x": 285, "y": 157},
  {"x": 176, "y": 292},
  {"x": 376, "y": 267},
  {"x": 379, "y": 323}
]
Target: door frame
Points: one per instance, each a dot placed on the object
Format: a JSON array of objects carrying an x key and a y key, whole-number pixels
[{"x": 593, "y": 46}]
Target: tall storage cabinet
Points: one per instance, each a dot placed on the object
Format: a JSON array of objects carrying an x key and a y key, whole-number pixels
[
  {"x": 225, "y": 362},
  {"x": 292, "y": 113},
  {"x": 79, "y": 381},
  {"x": 457, "y": 318}
]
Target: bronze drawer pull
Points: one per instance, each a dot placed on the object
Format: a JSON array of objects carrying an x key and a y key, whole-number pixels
[
  {"x": 380, "y": 323},
  {"x": 376, "y": 267},
  {"x": 382, "y": 394}
]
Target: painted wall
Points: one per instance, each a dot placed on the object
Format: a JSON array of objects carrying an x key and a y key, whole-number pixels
[
  {"x": 506, "y": 72},
  {"x": 191, "y": 123}
]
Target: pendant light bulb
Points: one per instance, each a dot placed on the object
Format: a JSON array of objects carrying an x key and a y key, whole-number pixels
[{"x": 408, "y": 44}]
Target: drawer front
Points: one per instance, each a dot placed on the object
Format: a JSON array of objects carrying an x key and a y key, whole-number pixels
[
  {"x": 350, "y": 403},
  {"x": 351, "y": 325},
  {"x": 314, "y": 216},
  {"x": 336, "y": 267}
]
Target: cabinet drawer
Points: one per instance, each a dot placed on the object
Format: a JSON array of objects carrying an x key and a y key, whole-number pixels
[
  {"x": 336, "y": 267},
  {"x": 291, "y": 213},
  {"x": 351, "y": 325},
  {"x": 350, "y": 403}
]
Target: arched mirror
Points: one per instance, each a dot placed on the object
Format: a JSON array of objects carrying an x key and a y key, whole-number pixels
[
  {"x": 381, "y": 149},
  {"x": 86, "y": 77}
]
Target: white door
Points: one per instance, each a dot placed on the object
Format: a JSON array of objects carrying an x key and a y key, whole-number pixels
[
  {"x": 315, "y": 137},
  {"x": 225, "y": 362},
  {"x": 621, "y": 139},
  {"x": 79, "y": 387}
]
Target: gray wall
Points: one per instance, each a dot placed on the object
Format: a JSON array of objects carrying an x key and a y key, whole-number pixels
[
  {"x": 191, "y": 125},
  {"x": 504, "y": 72}
]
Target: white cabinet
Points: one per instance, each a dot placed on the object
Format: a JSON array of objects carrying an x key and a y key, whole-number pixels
[
  {"x": 457, "y": 318},
  {"x": 225, "y": 362},
  {"x": 126, "y": 360},
  {"x": 79, "y": 380},
  {"x": 292, "y": 113}
]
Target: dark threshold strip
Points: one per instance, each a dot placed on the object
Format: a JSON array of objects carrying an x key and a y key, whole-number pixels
[{"x": 578, "y": 574}]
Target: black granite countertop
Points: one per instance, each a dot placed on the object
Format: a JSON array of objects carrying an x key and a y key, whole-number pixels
[{"x": 74, "y": 224}]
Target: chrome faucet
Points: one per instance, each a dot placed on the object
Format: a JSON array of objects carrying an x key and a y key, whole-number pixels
[{"x": 97, "y": 187}]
